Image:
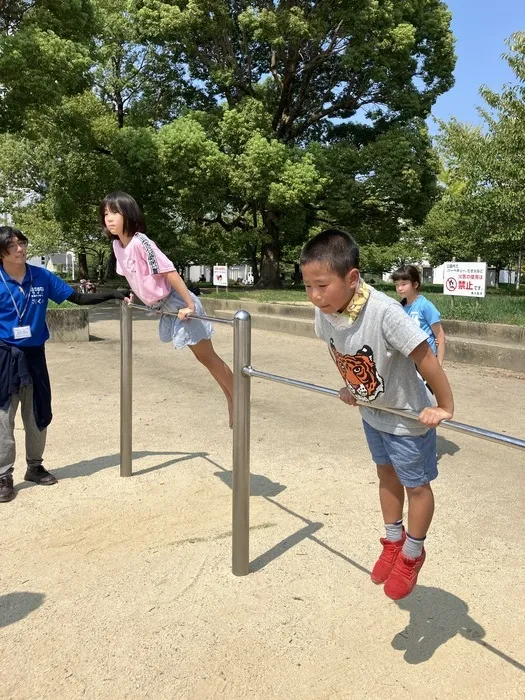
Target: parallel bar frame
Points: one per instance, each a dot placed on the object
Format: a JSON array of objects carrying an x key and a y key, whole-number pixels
[
  {"x": 471, "y": 430},
  {"x": 126, "y": 390},
  {"x": 243, "y": 372},
  {"x": 213, "y": 319},
  {"x": 242, "y": 340}
]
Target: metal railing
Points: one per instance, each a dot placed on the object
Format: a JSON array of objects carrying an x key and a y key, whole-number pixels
[
  {"x": 449, "y": 424},
  {"x": 242, "y": 375},
  {"x": 126, "y": 378}
]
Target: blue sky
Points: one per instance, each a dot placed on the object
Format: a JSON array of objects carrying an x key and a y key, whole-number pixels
[{"x": 480, "y": 28}]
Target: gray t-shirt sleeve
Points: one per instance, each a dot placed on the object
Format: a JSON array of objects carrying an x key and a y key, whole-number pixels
[{"x": 400, "y": 331}]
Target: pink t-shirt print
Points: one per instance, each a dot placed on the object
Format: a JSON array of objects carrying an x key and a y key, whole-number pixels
[{"x": 142, "y": 264}]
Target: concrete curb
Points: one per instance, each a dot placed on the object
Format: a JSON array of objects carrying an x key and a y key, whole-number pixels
[
  {"x": 68, "y": 325},
  {"x": 487, "y": 345}
]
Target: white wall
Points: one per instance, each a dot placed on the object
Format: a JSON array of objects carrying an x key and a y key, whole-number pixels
[
  {"x": 67, "y": 261},
  {"x": 192, "y": 273}
]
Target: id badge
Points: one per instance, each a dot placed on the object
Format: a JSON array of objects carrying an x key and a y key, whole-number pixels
[{"x": 22, "y": 332}]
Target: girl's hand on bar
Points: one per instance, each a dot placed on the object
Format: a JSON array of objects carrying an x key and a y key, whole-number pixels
[{"x": 184, "y": 313}]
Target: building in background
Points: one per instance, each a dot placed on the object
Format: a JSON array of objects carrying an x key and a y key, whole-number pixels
[
  {"x": 434, "y": 275},
  {"x": 62, "y": 263},
  {"x": 236, "y": 273}
]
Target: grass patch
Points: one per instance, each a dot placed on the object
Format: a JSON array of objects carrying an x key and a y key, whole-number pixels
[
  {"x": 503, "y": 305},
  {"x": 492, "y": 309},
  {"x": 496, "y": 307},
  {"x": 63, "y": 305}
]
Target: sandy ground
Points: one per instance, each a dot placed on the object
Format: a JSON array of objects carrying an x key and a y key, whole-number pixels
[{"x": 122, "y": 588}]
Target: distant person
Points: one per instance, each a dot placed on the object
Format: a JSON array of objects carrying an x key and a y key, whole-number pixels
[
  {"x": 376, "y": 348},
  {"x": 418, "y": 307},
  {"x": 154, "y": 279},
  {"x": 25, "y": 291}
]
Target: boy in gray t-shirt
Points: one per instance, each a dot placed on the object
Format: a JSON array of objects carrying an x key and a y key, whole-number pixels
[{"x": 376, "y": 348}]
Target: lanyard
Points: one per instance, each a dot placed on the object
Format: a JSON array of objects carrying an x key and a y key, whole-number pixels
[{"x": 20, "y": 315}]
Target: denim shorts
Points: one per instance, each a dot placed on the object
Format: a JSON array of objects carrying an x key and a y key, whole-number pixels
[
  {"x": 181, "y": 333},
  {"x": 414, "y": 457}
]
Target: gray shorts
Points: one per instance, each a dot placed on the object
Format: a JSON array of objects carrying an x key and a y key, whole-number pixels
[{"x": 414, "y": 457}]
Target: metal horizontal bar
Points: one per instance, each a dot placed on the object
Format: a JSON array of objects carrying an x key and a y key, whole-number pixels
[
  {"x": 449, "y": 424},
  {"x": 213, "y": 319}
]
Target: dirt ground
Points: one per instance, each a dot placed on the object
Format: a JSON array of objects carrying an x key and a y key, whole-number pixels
[{"x": 122, "y": 588}]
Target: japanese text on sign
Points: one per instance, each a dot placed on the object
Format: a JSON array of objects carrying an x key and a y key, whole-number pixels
[
  {"x": 465, "y": 279},
  {"x": 220, "y": 275}
]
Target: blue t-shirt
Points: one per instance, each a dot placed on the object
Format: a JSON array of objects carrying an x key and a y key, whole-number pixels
[
  {"x": 425, "y": 315},
  {"x": 37, "y": 288}
]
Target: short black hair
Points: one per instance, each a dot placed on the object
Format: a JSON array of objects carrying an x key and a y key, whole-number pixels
[
  {"x": 409, "y": 273},
  {"x": 336, "y": 249},
  {"x": 7, "y": 233},
  {"x": 123, "y": 203}
]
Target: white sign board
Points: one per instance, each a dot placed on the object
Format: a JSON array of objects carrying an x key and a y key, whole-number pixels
[
  {"x": 465, "y": 279},
  {"x": 220, "y": 275}
]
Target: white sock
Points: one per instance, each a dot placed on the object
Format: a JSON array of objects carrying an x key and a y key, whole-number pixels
[
  {"x": 394, "y": 531},
  {"x": 413, "y": 547}
]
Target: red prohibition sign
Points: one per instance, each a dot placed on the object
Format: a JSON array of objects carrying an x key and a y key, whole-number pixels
[{"x": 451, "y": 284}]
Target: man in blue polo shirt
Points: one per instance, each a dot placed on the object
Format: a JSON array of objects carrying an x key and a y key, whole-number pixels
[{"x": 24, "y": 293}]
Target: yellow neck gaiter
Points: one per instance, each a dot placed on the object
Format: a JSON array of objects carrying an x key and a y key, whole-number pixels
[{"x": 357, "y": 302}]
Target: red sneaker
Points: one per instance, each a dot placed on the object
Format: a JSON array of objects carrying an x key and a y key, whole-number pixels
[
  {"x": 403, "y": 578},
  {"x": 387, "y": 559}
]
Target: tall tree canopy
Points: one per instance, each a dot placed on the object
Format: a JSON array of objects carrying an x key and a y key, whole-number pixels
[
  {"x": 44, "y": 55},
  {"x": 238, "y": 126},
  {"x": 482, "y": 210},
  {"x": 319, "y": 114}
]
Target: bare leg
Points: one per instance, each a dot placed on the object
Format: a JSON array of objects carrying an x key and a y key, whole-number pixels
[
  {"x": 219, "y": 370},
  {"x": 420, "y": 510},
  {"x": 391, "y": 494}
]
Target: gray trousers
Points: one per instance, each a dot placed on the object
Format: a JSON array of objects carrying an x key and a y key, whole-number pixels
[{"x": 35, "y": 439}]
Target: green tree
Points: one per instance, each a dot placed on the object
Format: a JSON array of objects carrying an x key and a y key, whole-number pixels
[
  {"x": 44, "y": 55},
  {"x": 482, "y": 209},
  {"x": 66, "y": 157},
  {"x": 239, "y": 127},
  {"x": 279, "y": 76}
]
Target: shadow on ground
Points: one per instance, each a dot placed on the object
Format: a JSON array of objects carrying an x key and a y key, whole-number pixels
[
  {"x": 87, "y": 467},
  {"x": 259, "y": 485},
  {"x": 15, "y": 606},
  {"x": 435, "y": 617},
  {"x": 446, "y": 447}
]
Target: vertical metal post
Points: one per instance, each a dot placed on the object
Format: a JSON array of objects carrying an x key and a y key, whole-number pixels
[
  {"x": 478, "y": 301},
  {"x": 242, "y": 342},
  {"x": 452, "y": 296},
  {"x": 126, "y": 393}
]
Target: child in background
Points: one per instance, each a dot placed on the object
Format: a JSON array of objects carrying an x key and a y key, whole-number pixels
[{"x": 418, "y": 307}]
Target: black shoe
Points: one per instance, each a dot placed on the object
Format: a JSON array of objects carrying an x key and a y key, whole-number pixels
[
  {"x": 7, "y": 492},
  {"x": 40, "y": 476}
]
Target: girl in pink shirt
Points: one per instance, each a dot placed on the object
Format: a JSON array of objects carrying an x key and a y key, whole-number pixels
[{"x": 154, "y": 279}]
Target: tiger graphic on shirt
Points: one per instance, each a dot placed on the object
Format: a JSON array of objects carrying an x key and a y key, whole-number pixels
[{"x": 359, "y": 372}]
